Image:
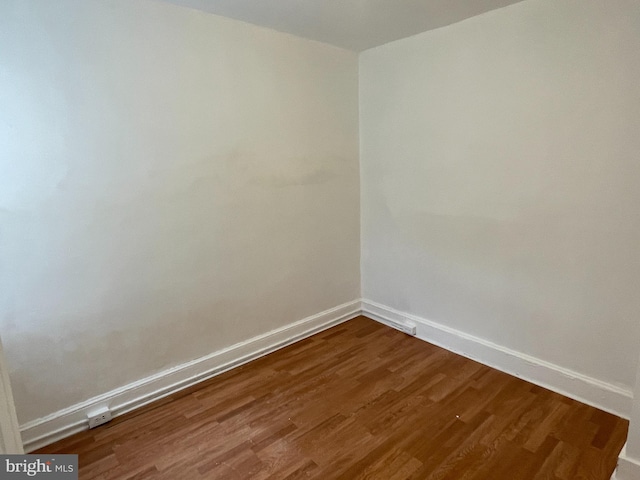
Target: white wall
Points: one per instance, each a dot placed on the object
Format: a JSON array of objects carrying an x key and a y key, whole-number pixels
[
  {"x": 10, "y": 439},
  {"x": 501, "y": 180},
  {"x": 171, "y": 183},
  {"x": 628, "y": 467}
]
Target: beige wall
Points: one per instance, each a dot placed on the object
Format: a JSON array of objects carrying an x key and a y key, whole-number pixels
[
  {"x": 501, "y": 180},
  {"x": 171, "y": 183}
]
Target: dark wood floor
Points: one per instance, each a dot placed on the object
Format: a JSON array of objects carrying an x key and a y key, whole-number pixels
[{"x": 360, "y": 400}]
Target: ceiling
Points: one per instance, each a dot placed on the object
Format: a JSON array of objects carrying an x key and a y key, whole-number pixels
[{"x": 351, "y": 24}]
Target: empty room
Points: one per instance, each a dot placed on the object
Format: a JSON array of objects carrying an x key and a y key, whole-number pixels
[{"x": 285, "y": 239}]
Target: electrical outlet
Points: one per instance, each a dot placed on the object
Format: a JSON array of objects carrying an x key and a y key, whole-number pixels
[
  {"x": 410, "y": 328},
  {"x": 99, "y": 417}
]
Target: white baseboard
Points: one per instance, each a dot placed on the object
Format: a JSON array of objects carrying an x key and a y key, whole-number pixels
[
  {"x": 628, "y": 468},
  {"x": 583, "y": 388},
  {"x": 61, "y": 424}
]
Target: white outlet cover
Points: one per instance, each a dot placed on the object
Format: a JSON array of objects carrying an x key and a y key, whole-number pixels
[{"x": 99, "y": 417}]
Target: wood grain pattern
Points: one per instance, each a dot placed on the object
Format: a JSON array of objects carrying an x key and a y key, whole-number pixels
[{"x": 358, "y": 401}]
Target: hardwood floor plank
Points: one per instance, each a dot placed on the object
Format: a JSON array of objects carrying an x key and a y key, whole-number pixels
[{"x": 358, "y": 401}]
